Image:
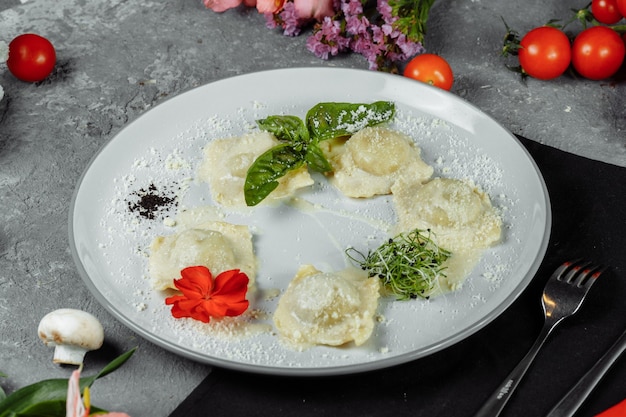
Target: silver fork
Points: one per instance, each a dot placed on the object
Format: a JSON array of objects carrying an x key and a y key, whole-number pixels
[{"x": 562, "y": 296}]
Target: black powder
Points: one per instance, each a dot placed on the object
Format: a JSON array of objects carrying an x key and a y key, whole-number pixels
[{"x": 150, "y": 201}]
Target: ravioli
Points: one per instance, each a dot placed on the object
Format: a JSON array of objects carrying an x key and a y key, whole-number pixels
[
  {"x": 460, "y": 214},
  {"x": 373, "y": 159},
  {"x": 226, "y": 162},
  {"x": 327, "y": 308},
  {"x": 217, "y": 245}
]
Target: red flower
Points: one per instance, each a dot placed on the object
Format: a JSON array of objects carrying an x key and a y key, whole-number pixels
[{"x": 203, "y": 297}]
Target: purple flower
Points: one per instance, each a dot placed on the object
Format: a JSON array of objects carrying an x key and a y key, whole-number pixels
[
  {"x": 408, "y": 48},
  {"x": 270, "y": 20},
  {"x": 365, "y": 46},
  {"x": 327, "y": 40},
  {"x": 351, "y": 7},
  {"x": 385, "y": 11},
  {"x": 320, "y": 49},
  {"x": 291, "y": 23},
  {"x": 357, "y": 25},
  {"x": 378, "y": 34}
]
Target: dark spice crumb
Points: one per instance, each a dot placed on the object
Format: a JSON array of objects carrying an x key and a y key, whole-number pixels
[{"x": 150, "y": 202}]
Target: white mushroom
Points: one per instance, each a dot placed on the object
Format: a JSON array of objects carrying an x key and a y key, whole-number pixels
[{"x": 72, "y": 333}]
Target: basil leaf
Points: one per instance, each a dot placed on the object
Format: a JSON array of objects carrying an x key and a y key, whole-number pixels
[
  {"x": 263, "y": 174},
  {"x": 301, "y": 141},
  {"x": 332, "y": 120},
  {"x": 285, "y": 128},
  {"x": 316, "y": 160}
]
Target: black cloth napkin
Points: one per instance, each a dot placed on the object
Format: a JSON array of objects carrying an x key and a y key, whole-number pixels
[{"x": 589, "y": 221}]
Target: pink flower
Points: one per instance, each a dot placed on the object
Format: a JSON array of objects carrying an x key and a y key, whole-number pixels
[
  {"x": 314, "y": 9},
  {"x": 269, "y": 6},
  {"x": 223, "y": 5},
  {"x": 74, "y": 406}
]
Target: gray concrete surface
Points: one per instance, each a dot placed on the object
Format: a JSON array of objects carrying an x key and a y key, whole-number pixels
[{"x": 108, "y": 49}]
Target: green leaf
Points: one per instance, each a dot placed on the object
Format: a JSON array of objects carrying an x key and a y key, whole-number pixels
[
  {"x": 285, "y": 128},
  {"x": 111, "y": 367},
  {"x": 301, "y": 141},
  {"x": 27, "y": 401},
  {"x": 52, "y": 409},
  {"x": 263, "y": 174},
  {"x": 412, "y": 16},
  {"x": 332, "y": 120},
  {"x": 2, "y": 393},
  {"x": 316, "y": 160}
]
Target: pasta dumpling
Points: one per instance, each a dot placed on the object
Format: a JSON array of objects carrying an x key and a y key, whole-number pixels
[
  {"x": 373, "y": 159},
  {"x": 226, "y": 162},
  {"x": 327, "y": 308},
  {"x": 460, "y": 215},
  {"x": 219, "y": 246}
]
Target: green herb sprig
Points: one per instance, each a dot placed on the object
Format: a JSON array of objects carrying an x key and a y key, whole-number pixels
[
  {"x": 300, "y": 141},
  {"x": 412, "y": 17},
  {"x": 408, "y": 264}
]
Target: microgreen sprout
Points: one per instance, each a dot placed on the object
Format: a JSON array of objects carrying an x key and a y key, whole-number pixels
[{"x": 408, "y": 264}]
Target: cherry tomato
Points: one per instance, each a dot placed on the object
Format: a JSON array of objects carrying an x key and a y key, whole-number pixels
[
  {"x": 598, "y": 52},
  {"x": 606, "y": 11},
  {"x": 545, "y": 53},
  {"x": 430, "y": 69},
  {"x": 31, "y": 57},
  {"x": 621, "y": 6}
]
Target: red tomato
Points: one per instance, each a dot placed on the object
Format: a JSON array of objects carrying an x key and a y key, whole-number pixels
[
  {"x": 544, "y": 53},
  {"x": 31, "y": 57},
  {"x": 430, "y": 69},
  {"x": 621, "y": 6},
  {"x": 606, "y": 11},
  {"x": 598, "y": 52}
]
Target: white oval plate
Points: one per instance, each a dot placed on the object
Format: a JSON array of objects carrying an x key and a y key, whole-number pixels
[{"x": 164, "y": 147}]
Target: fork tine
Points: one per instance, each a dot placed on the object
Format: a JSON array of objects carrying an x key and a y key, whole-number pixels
[
  {"x": 568, "y": 270},
  {"x": 580, "y": 274},
  {"x": 589, "y": 275},
  {"x": 562, "y": 269},
  {"x": 576, "y": 267}
]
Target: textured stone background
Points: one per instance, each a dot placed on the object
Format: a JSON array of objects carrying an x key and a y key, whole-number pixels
[{"x": 119, "y": 58}]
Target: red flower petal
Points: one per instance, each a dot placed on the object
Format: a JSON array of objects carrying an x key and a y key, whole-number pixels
[
  {"x": 200, "y": 314},
  {"x": 231, "y": 282},
  {"x": 229, "y": 292},
  {"x": 196, "y": 281},
  {"x": 213, "y": 308},
  {"x": 174, "y": 299},
  {"x": 204, "y": 297},
  {"x": 237, "y": 309}
]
